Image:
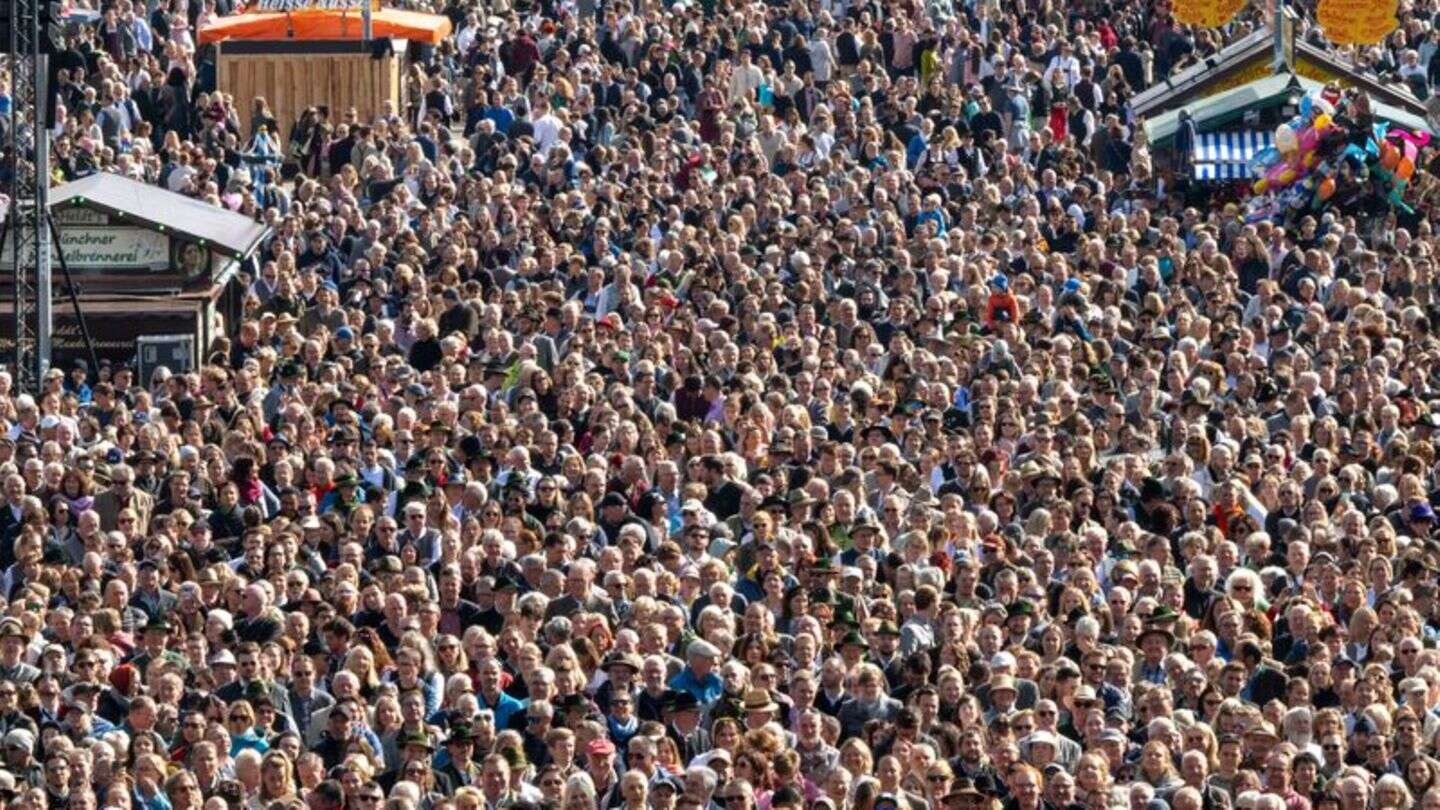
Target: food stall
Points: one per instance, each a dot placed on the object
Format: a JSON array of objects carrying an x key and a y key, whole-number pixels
[
  {"x": 296, "y": 54},
  {"x": 146, "y": 263}
]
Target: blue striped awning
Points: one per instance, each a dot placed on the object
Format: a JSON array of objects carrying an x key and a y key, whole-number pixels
[{"x": 1223, "y": 155}]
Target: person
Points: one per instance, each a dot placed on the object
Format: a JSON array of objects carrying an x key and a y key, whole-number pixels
[{"x": 778, "y": 406}]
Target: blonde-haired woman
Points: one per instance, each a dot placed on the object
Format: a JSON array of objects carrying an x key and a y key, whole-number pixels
[{"x": 277, "y": 778}]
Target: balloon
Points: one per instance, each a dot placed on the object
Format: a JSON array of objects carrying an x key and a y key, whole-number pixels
[
  {"x": 1260, "y": 186},
  {"x": 1323, "y": 105},
  {"x": 1287, "y": 176},
  {"x": 1322, "y": 122},
  {"x": 1305, "y": 106},
  {"x": 1405, "y": 169},
  {"x": 1261, "y": 161},
  {"x": 1308, "y": 140},
  {"x": 1326, "y": 189},
  {"x": 1389, "y": 156},
  {"x": 1286, "y": 140}
]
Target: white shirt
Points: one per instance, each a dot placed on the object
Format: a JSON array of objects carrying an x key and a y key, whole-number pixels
[{"x": 547, "y": 132}]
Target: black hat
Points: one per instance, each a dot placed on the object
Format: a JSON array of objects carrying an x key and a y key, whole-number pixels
[
  {"x": 461, "y": 733},
  {"x": 613, "y": 499},
  {"x": 679, "y": 700}
]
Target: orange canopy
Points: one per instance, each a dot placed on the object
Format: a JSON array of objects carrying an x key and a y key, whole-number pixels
[{"x": 317, "y": 24}]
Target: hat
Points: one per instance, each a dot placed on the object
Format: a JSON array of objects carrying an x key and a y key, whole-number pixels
[
  {"x": 887, "y": 628},
  {"x": 672, "y": 782},
  {"x": 1156, "y": 629},
  {"x": 12, "y": 627},
  {"x": 1041, "y": 736},
  {"x": 1085, "y": 696},
  {"x": 222, "y": 657},
  {"x": 963, "y": 788},
  {"x": 418, "y": 739},
  {"x": 1000, "y": 682},
  {"x": 679, "y": 700},
  {"x": 600, "y": 747},
  {"x": 20, "y": 738},
  {"x": 854, "y": 638},
  {"x": 612, "y": 499},
  {"x": 462, "y": 733},
  {"x": 866, "y": 522},
  {"x": 1262, "y": 728},
  {"x": 758, "y": 700},
  {"x": 1422, "y": 513},
  {"x": 160, "y": 623},
  {"x": 700, "y": 648},
  {"x": 623, "y": 659}
]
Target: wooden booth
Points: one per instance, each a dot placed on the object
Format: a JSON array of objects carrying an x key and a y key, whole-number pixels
[
  {"x": 157, "y": 273},
  {"x": 299, "y": 53}
]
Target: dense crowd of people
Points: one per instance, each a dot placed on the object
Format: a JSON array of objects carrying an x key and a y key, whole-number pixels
[{"x": 734, "y": 406}]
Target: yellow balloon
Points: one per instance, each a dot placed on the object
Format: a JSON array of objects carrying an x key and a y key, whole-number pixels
[
  {"x": 1286, "y": 177},
  {"x": 1322, "y": 122},
  {"x": 1260, "y": 186}
]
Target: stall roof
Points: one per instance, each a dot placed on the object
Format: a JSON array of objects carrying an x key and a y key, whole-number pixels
[
  {"x": 1215, "y": 111},
  {"x": 1256, "y": 47},
  {"x": 225, "y": 231},
  {"x": 328, "y": 24}
]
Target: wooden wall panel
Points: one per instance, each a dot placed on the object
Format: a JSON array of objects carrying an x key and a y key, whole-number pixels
[{"x": 291, "y": 82}]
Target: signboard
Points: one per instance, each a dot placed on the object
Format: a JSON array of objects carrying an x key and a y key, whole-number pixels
[
  {"x": 114, "y": 332},
  {"x": 175, "y": 352},
  {"x": 1206, "y": 13},
  {"x": 102, "y": 247},
  {"x": 283, "y": 6},
  {"x": 1357, "y": 22}
]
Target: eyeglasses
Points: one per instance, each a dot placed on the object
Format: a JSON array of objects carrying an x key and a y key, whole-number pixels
[{"x": 937, "y": 777}]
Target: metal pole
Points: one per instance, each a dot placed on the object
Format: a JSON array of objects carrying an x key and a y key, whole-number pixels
[
  {"x": 43, "y": 322},
  {"x": 367, "y": 29},
  {"x": 70, "y": 288}
]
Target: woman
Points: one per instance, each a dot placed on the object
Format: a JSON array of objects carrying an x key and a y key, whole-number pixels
[
  {"x": 1392, "y": 794},
  {"x": 1421, "y": 776},
  {"x": 240, "y": 721},
  {"x": 277, "y": 778},
  {"x": 1157, "y": 767}
]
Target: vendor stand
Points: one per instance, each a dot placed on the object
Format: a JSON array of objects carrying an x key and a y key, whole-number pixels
[
  {"x": 296, "y": 55},
  {"x": 147, "y": 263}
]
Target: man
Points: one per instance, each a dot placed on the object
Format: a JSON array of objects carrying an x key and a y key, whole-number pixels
[
  {"x": 123, "y": 495},
  {"x": 581, "y": 596},
  {"x": 682, "y": 724},
  {"x": 491, "y": 696},
  {"x": 251, "y": 678},
  {"x": 259, "y": 624},
  {"x": 699, "y": 677},
  {"x": 13, "y": 642},
  {"x": 495, "y": 782},
  {"x": 871, "y": 703}
]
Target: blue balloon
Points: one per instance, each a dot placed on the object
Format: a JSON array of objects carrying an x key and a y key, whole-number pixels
[
  {"x": 1305, "y": 106},
  {"x": 1261, "y": 161}
]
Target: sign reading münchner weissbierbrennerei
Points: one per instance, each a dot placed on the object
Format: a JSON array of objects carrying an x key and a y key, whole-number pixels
[{"x": 111, "y": 248}]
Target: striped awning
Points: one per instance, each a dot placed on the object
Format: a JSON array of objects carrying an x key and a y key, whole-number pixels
[{"x": 1223, "y": 155}]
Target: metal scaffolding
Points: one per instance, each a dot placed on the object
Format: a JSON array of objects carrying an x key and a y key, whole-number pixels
[{"x": 25, "y": 236}]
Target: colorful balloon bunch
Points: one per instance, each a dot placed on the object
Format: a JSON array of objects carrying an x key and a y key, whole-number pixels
[
  {"x": 1296, "y": 150},
  {"x": 1303, "y": 169}
]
